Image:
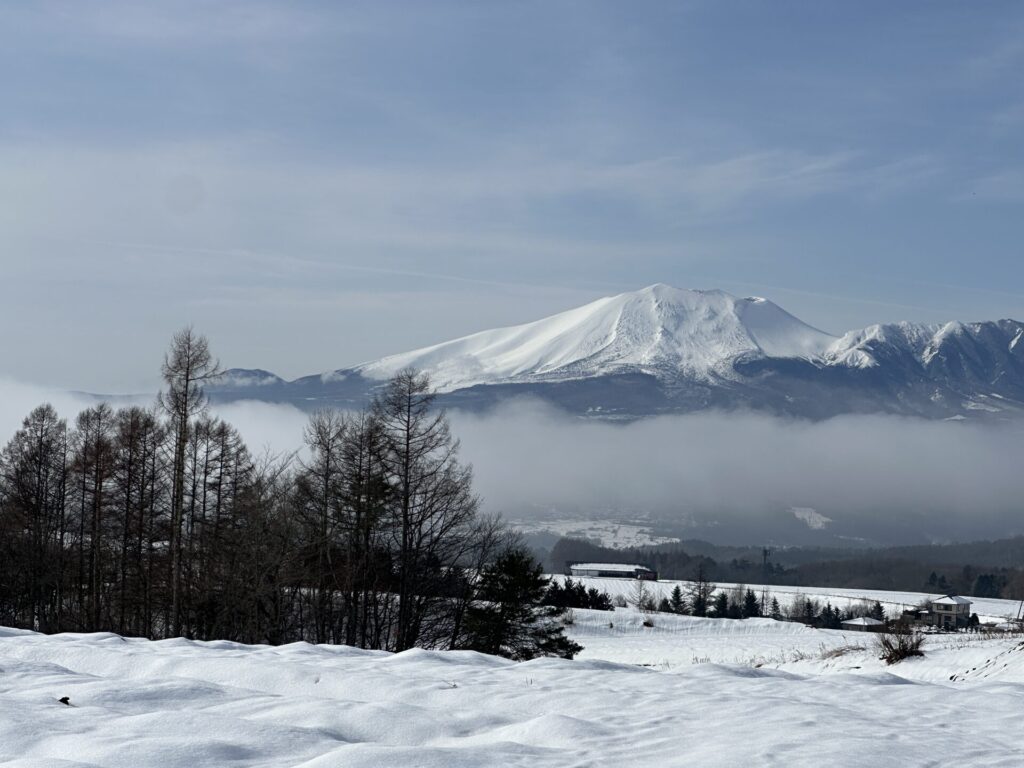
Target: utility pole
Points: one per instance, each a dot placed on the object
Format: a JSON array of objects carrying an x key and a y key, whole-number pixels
[{"x": 766, "y": 553}]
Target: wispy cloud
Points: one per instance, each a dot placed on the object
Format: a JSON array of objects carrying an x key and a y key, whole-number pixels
[{"x": 184, "y": 191}]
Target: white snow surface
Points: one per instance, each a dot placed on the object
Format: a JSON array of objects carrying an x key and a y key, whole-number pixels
[
  {"x": 812, "y": 517},
  {"x": 850, "y": 348},
  {"x": 660, "y": 330},
  {"x": 608, "y": 533},
  {"x": 686, "y": 691},
  {"x": 922, "y": 341}
]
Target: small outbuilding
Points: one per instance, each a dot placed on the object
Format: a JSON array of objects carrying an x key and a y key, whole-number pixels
[
  {"x": 864, "y": 624},
  {"x": 613, "y": 571}
]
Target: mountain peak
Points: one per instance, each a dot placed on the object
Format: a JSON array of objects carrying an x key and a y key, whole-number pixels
[
  {"x": 665, "y": 292},
  {"x": 658, "y": 330}
]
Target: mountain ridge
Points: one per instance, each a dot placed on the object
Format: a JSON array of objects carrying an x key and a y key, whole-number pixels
[{"x": 664, "y": 349}]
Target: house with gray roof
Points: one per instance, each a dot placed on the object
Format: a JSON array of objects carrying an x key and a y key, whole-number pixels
[{"x": 950, "y": 612}]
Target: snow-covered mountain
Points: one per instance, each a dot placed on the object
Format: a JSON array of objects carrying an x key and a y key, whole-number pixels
[
  {"x": 664, "y": 349},
  {"x": 662, "y": 331}
]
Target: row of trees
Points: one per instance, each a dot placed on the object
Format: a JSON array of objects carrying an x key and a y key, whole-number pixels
[
  {"x": 575, "y": 594},
  {"x": 160, "y": 522},
  {"x": 702, "y": 598}
]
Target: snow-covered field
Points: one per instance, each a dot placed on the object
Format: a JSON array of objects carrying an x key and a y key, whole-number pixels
[
  {"x": 684, "y": 692},
  {"x": 988, "y": 609},
  {"x": 607, "y": 533},
  {"x": 680, "y": 641}
]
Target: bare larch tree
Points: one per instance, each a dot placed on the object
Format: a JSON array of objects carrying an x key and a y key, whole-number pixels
[{"x": 188, "y": 366}]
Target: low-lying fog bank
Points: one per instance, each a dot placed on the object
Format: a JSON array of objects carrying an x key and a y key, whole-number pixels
[{"x": 741, "y": 478}]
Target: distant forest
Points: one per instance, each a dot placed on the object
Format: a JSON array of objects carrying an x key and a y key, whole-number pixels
[
  {"x": 159, "y": 522},
  {"x": 981, "y": 568}
]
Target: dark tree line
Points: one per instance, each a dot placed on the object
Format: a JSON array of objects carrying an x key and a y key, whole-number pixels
[
  {"x": 159, "y": 522},
  {"x": 575, "y": 594}
]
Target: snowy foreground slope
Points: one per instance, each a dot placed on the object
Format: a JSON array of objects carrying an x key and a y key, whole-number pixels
[{"x": 717, "y": 693}]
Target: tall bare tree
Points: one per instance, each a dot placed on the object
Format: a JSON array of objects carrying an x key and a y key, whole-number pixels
[
  {"x": 320, "y": 497},
  {"x": 431, "y": 495},
  {"x": 138, "y": 441},
  {"x": 365, "y": 494},
  {"x": 93, "y": 463},
  {"x": 188, "y": 366}
]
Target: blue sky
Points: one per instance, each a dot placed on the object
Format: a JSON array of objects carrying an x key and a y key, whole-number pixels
[{"x": 313, "y": 184}]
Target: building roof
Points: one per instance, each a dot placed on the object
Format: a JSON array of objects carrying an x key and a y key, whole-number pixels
[
  {"x": 620, "y": 567},
  {"x": 951, "y": 600},
  {"x": 864, "y": 621}
]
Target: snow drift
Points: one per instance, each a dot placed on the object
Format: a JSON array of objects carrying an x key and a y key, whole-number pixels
[{"x": 781, "y": 700}]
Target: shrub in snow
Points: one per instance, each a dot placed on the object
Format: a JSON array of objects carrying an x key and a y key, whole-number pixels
[{"x": 894, "y": 647}]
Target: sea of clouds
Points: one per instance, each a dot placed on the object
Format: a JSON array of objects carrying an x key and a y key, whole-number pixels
[{"x": 965, "y": 478}]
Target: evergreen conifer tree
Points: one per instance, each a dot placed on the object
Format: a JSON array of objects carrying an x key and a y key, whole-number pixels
[
  {"x": 507, "y": 617},
  {"x": 750, "y": 605},
  {"x": 722, "y": 605},
  {"x": 598, "y": 600},
  {"x": 700, "y": 592},
  {"x": 676, "y": 602},
  {"x": 877, "y": 612}
]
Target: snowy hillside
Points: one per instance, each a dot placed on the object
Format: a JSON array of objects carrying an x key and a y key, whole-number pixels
[
  {"x": 710, "y": 693},
  {"x": 663, "y": 349}
]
